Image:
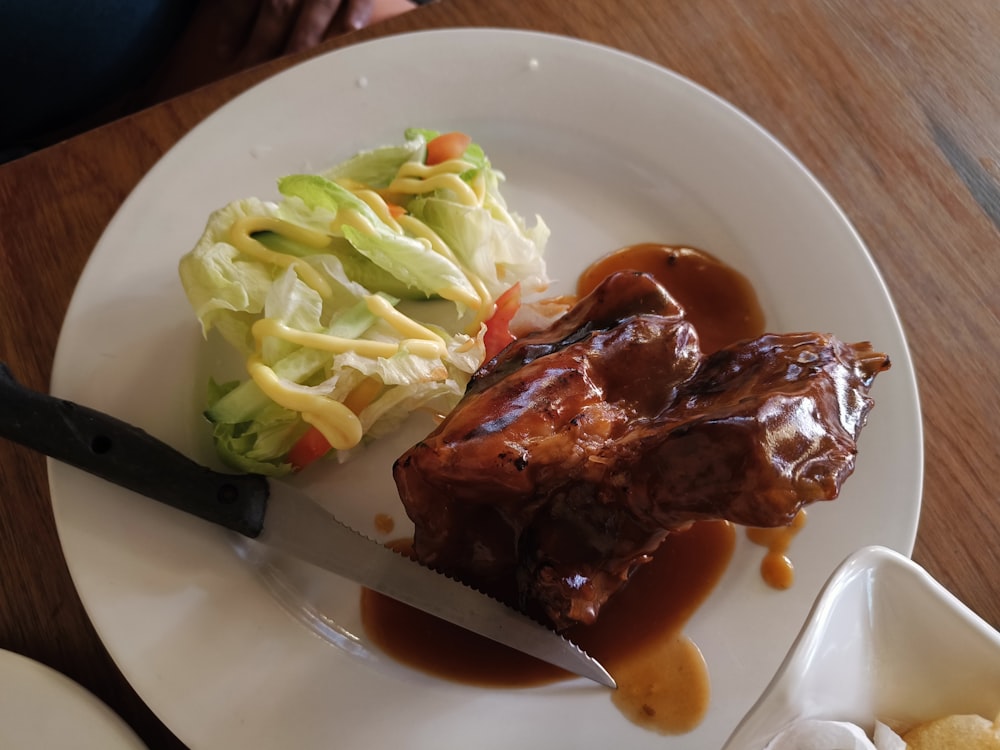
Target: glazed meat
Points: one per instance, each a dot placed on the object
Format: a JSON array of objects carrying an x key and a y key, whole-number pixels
[{"x": 579, "y": 448}]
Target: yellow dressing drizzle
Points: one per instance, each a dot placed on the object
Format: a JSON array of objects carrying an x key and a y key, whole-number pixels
[
  {"x": 419, "y": 345},
  {"x": 478, "y": 186},
  {"x": 349, "y": 184},
  {"x": 378, "y": 205},
  {"x": 338, "y": 422},
  {"x": 421, "y": 231},
  {"x": 415, "y": 178},
  {"x": 339, "y": 425},
  {"x": 240, "y": 237},
  {"x": 451, "y": 182},
  {"x": 423, "y": 171},
  {"x": 483, "y": 305},
  {"x": 351, "y": 218},
  {"x": 419, "y": 334},
  {"x": 308, "y": 237}
]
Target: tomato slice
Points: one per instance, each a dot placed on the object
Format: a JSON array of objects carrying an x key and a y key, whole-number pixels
[
  {"x": 498, "y": 333},
  {"x": 311, "y": 446},
  {"x": 446, "y": 147}
]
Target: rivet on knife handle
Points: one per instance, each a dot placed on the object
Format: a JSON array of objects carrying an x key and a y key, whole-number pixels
[{"x": 130, "y": 457}]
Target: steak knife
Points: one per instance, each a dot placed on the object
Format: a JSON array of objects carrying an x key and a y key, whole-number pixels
[{"x": 271, "y": 512}]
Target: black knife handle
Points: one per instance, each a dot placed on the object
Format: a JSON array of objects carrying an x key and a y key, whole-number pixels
[{"x": 130, "y": 457}]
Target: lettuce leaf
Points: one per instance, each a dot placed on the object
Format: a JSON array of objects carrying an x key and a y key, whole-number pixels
[
  {"x": 356, "y": 256},
  {"x": 406, "y": 258}
]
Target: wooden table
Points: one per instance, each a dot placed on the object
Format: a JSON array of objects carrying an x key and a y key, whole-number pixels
[{"x": 895, "y": 107}]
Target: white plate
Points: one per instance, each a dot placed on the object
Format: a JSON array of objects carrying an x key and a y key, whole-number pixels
[
  {"x": 886, "y": 642},
  {"x": 41, "y": 708},
  {"x": 611, "y": 150}
]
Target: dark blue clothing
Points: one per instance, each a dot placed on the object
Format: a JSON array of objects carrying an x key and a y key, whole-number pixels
[{"x": 62, "y": 61}]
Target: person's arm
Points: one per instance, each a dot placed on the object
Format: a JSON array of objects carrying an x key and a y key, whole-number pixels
[{"x": 226, "y": 36}]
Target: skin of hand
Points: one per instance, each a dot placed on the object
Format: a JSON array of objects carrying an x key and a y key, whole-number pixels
[
  {"x": 226, "y": 36},
  {"x": 252, "y": 31}
]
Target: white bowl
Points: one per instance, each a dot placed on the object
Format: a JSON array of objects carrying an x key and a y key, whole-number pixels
[{"x": 883, "y": 641}]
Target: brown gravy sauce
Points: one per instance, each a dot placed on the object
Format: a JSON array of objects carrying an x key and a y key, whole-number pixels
[
  {"x": 663, "y": 681},
  {"x": 776, "y": 568},
  {"x": 662, "y": 678},
  {"x": 719, "y": 301},
  {"x": 384, "y": 523}
]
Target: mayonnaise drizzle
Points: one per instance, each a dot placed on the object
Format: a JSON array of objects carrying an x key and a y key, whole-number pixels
[
  {"x": 431, "y": 346},
  {"x": 240, "y": 235},
  {"x": 415, "y": 178},
  {"x": 378, "y": 205},
  {"x": 338, "y": 422},
  {"x": 339, "y": 425},
  {"x": 482, "y": 303},
  {"x": 406, "y": 326}
]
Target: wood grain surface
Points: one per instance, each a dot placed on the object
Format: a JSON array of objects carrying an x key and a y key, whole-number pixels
[{"x": 895, "y": 107}]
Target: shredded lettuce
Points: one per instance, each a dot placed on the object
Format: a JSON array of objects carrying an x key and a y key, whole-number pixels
[
  {"x": 343, "y": 251},
  {"x": 405, "y": 258},
  {"x": 378, "y": 167}
]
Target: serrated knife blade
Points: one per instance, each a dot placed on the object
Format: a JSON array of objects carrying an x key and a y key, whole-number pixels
[
  {"x": 271, "y": 512},
  {"x": 298, "y": 526}
]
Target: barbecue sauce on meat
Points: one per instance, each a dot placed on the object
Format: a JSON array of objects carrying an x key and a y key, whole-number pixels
[
  {"x": 638, "y": 636},
  {"x": 718, "y": 300}
]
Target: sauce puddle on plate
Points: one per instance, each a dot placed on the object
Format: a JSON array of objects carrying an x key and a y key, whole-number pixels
[
  {"x": 776, "y": 568},
  {"x": 662, "y": 679}
]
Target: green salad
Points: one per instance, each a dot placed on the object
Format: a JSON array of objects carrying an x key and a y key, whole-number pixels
[{"x": 367, "y": 291}]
